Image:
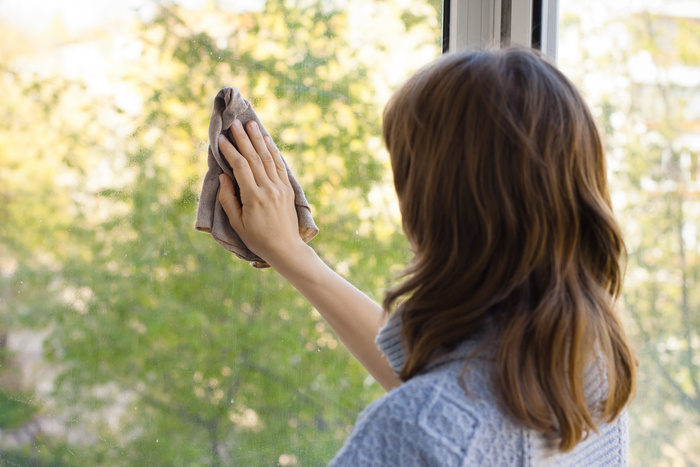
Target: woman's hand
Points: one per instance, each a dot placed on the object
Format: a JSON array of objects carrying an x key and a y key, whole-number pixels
[
  {"x": 265, "y": 216},
  {"x": 266, "y": 220}
]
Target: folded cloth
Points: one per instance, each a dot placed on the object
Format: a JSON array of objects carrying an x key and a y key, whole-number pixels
[{"x": 211, "y": 217}]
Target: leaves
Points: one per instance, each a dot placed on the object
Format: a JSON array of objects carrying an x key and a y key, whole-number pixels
[{"x": 165, "y": 349}]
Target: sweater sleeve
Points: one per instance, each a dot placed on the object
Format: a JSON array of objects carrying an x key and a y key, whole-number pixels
[{"x": 389, "y": 342}]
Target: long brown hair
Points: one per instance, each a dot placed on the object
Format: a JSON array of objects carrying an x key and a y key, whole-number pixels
[{"x": 502, "y": 184}]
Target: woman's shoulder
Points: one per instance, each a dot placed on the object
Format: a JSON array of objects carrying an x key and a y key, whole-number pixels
[
  {"x": 430, "y": 420},
  {"x": 451, "y": 416}
]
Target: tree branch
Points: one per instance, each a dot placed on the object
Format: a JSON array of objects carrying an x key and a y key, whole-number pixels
[{"x": 693, "y": 402}]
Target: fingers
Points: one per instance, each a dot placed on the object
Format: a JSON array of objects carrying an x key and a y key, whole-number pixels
[
  {"x": 252, "y": 146},
  {"x": 279, "y": 163},
  {"x": 241, "y": 168},
  {"x": 228, "y": 200},
  {"x": 262, "y": 149}
]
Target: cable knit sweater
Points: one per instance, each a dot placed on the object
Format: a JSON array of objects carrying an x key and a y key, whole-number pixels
[{"x": 431, "y": 421}]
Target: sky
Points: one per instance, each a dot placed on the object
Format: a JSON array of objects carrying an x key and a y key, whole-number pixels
[
  {"x": 79, "y": 15},
  {"x": 76, "y": 14}
]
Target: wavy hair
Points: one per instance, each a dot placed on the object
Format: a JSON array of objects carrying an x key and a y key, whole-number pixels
[{"x": 502, "y": 185}]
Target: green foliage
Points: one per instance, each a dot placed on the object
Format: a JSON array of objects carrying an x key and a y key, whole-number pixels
[
  {"x": 14, "y": 411},
  {"x": 168, "y": 351}
]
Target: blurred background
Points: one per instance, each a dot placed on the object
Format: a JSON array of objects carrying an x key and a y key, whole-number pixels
[{"x": 129, "y": 338}]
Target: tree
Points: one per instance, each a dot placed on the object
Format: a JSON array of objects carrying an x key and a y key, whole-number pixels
[
  {"x": 166, "y": 350},
  {"x": 637, "y": 85}
]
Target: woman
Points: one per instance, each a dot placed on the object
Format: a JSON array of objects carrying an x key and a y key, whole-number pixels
[{"x": 505, "y": 348}]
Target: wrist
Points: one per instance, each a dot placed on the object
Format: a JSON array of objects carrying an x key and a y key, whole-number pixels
[{"x": 292, "y": 259}]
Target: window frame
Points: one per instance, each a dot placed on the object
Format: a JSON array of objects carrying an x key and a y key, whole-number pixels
[{"x": 477, "y": 24}]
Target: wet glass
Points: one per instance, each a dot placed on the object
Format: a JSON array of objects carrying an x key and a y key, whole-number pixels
[{"x": 129, "y": 338}]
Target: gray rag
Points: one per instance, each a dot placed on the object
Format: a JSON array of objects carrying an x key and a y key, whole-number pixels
[{"x": 211, "y": 217}]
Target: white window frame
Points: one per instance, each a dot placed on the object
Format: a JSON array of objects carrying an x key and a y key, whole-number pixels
[{"x": 479, "y": 24}]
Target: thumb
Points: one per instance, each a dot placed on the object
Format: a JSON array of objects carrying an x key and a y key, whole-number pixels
[{"x": 228, "y": 201}]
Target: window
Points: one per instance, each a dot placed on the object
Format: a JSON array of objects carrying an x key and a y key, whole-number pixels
[
  {"x": 128, "y": 338},
  {"x": 637, "y": 65}
]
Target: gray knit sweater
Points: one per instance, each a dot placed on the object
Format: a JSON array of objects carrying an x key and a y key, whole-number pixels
[{"x": 431, "y": 421}]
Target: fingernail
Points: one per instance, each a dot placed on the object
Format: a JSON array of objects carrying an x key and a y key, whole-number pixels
[
  {"x": 237, "y": 123},
  {"x": 222, "y": 179},
  {"x": 222, "y": 139},
  {"x": 253, "y": 125}
]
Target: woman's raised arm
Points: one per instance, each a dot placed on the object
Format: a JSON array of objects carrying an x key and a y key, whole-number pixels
[{"x": 265, "y": 219}]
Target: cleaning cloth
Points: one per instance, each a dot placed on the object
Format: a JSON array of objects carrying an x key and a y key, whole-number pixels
[{"x": 211, "y": 217}]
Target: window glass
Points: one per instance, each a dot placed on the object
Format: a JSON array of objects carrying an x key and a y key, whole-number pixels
[
  {"x": 129, "y": 338},
  {"x": 638, "y": 64}
]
